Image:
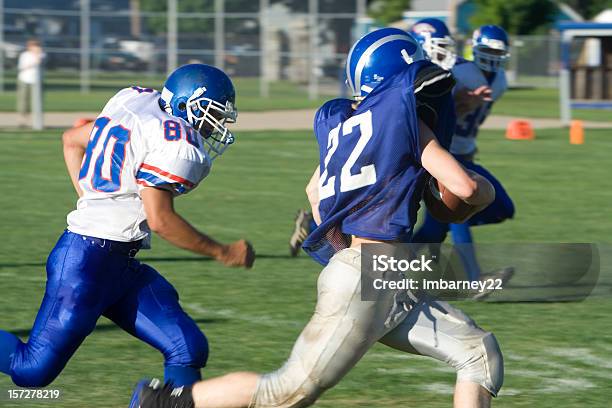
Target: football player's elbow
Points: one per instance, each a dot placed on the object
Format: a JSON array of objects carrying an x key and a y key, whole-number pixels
[
  {"x": 313, "y": 195},
  {"x": 67, "y": 139},
  {"x": 159, "y": 224},
  {"x": 70, "y": 140}
]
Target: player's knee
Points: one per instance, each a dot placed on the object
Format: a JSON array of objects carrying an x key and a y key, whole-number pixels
[
  {"x": 505, "y": 206},
  {"x": 35, "y": 374},
  {"x": 191, "y": 351},
  {"x": 36, "y": 366},
  {"x": 483, "y": 363},
  {"x": 198, "y": 351},
  {"x": 509, "y": 207}
]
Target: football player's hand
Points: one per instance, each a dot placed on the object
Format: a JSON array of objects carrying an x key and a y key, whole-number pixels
[
  {"x": 239, "y": 253},
  {"x": 482, "y": 94},
  {"x": 466, "y": 100}
]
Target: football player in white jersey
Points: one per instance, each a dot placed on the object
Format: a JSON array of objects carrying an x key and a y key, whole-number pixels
[
  {"x": 144, "y": 149},
  {"x": 479, "y": 83}
]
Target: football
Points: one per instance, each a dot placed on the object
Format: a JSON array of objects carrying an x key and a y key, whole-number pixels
[{"x": 443, "y": 205}]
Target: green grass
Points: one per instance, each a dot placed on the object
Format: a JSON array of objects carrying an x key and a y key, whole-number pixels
[
  {"x": 63, "y": 94},
  {"x": 557, "y": 354},
  {"x": 542, "y": 103}
]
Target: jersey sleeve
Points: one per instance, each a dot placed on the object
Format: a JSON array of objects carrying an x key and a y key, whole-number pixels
[
  {"x": 432, "y": 88},
  {"x": 500, "y": 86},
  {"x": 115, "y": 99},
  {"x": 416, "y": 80},
  {"x": 174, "y": 163},
  {"x": 468, "y": 75}
]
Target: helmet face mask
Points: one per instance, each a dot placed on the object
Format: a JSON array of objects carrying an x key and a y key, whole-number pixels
[
  {"x": 490, "y": 48},
  {"x": 490, "y": 60},
  {"x": 436, "y": 40},
  {"x": 441, "y": 51},
  {"x": 209, "y": 117},
  {"x": 203, "y": 96}
]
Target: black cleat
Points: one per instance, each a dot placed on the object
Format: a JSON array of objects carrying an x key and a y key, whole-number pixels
[
  {"x": 302, "y": 228},
  {"x": 151, "y": 394}
]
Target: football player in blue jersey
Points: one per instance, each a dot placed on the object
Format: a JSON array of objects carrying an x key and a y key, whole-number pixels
[
  {"x": 438, "y": 44},
  {"x": 375, "y": 152},
  {"x": 143, "y": 150},
  {"x": 479, "y": 84}
]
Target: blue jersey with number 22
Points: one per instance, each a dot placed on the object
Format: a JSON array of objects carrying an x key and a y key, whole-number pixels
[{"x": 371, "y": 178}]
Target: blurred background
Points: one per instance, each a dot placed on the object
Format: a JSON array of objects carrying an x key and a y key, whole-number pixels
[{"x": 291, "y": 49}]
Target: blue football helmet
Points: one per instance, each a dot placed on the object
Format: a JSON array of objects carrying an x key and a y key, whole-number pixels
[
  {"x": 378, "y": 55},
  {"x": 490, "y": 47},
  {"x": 204, "y": 96},
  {"x": 436, "y": 40}
]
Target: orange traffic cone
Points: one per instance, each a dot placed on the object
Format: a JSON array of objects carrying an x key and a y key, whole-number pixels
[
  {"x": 576, "y": 132},
  {"x": 519, "y": 130}
]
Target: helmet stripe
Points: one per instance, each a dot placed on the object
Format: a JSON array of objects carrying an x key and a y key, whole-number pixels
[{"x": 368, "y": 52}]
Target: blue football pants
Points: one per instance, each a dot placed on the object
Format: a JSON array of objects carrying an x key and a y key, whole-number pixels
[{"x": 85, "y": 281}]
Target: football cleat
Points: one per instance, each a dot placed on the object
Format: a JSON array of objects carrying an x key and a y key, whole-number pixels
[
  {"x": 151, "y": 394},
  {"x": 302, "y": 228},
  {"x": 505, "y": 274},
  {"x": 140, "y": 389}
]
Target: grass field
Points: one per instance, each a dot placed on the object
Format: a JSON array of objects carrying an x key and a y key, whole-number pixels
[
  {"x": 557, "y": 354},
  {"x": 63, "y": 94}
]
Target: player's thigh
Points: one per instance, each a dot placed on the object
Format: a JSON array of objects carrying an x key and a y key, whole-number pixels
[
  {"x": 75, "y": 295},
  {"x": 339, "y": 333},
  {"x": 79, "y": 286},
  {"x": 344, "y": 326},
  {"x": 150, "y": 310}
]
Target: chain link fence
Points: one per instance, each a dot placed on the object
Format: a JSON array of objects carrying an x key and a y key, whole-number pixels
[
  {"x": 273, "y": 48},
  {"x": 535, "y": 61}
]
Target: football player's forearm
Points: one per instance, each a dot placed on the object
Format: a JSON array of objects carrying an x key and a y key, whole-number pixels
[
  {"x": 75, "y": 142},
  {"x": 443, "y": 166},
  {"x": 73, "y": 157},
  {"x": 176, "y": 230}
]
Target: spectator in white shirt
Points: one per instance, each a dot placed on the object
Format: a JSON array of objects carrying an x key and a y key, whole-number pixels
[{"x": 29, "y": 78}]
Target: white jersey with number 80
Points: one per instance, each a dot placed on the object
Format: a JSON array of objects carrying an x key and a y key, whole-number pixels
[{"x": 134, "y": 144}]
